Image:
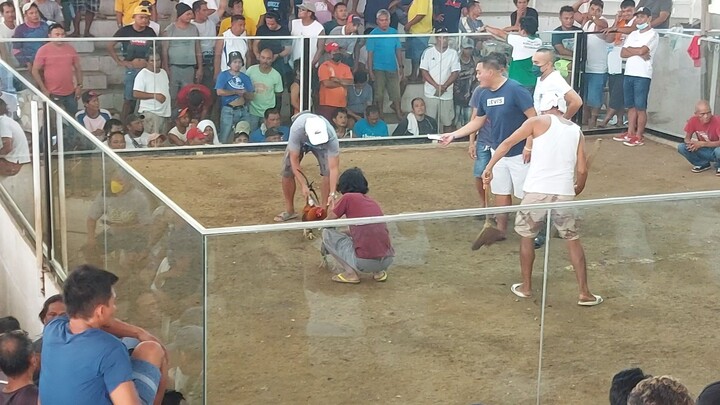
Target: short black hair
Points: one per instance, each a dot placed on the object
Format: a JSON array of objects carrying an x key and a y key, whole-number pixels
[
  {"x": 9, "y": 323},
  {"x": 232, "y": 3},
  {"x": 567, "y": 9},
  {"x": 529, "y": 25},
  {"x": 236, "y": 18},
  {"x": 269, "y": 111},
  {"x": 495, "y": 60},
  {"x": 46, "y": 306},
  {"x": 360, "y": 77},
  {"x": 412, "y": 102},
  {"x": 55, "y": 26},
  {"x": 627, "y": 3},
  {"x": 710, "y": 395},
  {"x": 340, "y": 3},
  {"x": 195, "y": 98},
  {"x": 6, "y": 4},
  {"x": 15, "y": 353},
  {"x": 623, "y": 383},
  {"x": 109, "y": 124},
  {"x": 372, "y": 108},
  {"x": 597, "y": 3},
  {"x": 172, "y": 397},
  {"x": 197, "y": 5},
  {"x": 337, "y": 111},
  {"x": 352, "y": 181},
  {"x": 86, "y": 288}
]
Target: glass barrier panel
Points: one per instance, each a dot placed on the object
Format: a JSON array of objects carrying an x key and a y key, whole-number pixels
[
  {"x": 651, "y": 263},
  {"x": 443, "y": 311}
]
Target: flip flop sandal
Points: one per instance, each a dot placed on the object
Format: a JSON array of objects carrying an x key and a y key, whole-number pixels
[
  {"x": 598, "y": 300},
  {"x": 284, "y": 217},
  {"x": 517, "y": 292},
  {"x": 339, "y": 278},
  {"x": 383, "y": 276}
]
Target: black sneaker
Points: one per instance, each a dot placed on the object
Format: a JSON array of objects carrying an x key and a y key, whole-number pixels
[{"x": 699, "y": 169}]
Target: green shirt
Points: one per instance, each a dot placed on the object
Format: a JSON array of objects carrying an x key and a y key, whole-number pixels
[
  {"x": 521, "y": 72},
  {"x": 266, "y": 85}
]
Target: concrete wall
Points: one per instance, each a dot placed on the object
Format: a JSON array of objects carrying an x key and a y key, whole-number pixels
[{"x": 20, "y": 283}]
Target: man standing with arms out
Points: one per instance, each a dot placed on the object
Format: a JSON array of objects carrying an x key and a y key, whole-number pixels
[
  {"x": 135, "y": 53},
  {"x": 660, "y": 12},
  {"x": 705, "y": 148},
  {"x": 550, "y": 81},
  {"x": 419, "y": 22},
  {"x": 440, "y": 67},
  {"x": 60, "y": 64},
  {"x": 83, "y": 359},
  {"x": 183, "y": 65},
  {"x": 507, "y": 104},
  {"x": 558, "y": 155},
  {"x": 310, "y": 133},
  {"x": 335, "y": 77},
  {"x": 385, "y": 63},
  {"x": 564, "y": 43},
  {"x": 639, "y": 49}
]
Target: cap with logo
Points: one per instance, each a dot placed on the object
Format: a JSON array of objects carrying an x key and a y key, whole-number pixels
[
  {"x": 233, "y": 56},
  {"x": 316, "y": 130},
  {"x": 643, "y": 10}
]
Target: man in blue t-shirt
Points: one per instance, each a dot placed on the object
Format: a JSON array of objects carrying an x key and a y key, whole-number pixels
[
  {"x": 235, "y": 90},
  {"x": 371, "y": 126},
  {"x": 85, "y": 363},
  {"x": 507, "y": 104},
  {"x": 385, "y": 63}
]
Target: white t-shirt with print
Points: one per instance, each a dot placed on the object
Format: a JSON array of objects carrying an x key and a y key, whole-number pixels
[
  {"x": 523, "y": 47},
  {"x": 554, "y": 83},
  {"x": 597, "y": 50},
  {"x": 440, "y": 66},
  {"x": 636, "y": 65},
  {"x": 20, "y": 152},
  {"x": 150, "y": 82}
]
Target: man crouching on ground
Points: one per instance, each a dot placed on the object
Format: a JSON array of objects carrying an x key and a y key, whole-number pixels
[
  {"x": 83, "y": 360},
  {"x": 558, "y": 154}
]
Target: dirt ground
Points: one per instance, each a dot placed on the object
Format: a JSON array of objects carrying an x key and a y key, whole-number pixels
[{"x": 445, "y": 328}]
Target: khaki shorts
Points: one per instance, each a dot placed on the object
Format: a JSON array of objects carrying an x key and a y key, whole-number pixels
[
  {"x": 528, "y": 223},
  {"x": 389, "y": 81},
  {"x": 442, "y": 110}
]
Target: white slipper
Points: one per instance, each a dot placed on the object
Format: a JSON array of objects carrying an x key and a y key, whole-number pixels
[
  {"x": 598, "y": 300},
  {"x": 515, "y": 291}
]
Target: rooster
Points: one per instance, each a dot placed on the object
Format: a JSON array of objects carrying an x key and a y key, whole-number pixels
[{"x": 312, "y": 211}]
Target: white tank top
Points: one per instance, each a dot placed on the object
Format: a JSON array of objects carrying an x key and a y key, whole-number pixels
[{"x": 554, "y": 155}]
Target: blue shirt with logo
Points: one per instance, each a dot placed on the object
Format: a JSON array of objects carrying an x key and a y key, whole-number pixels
[
  {"x": 227, "y": 81},
  {"x": 505, "y": 107}
]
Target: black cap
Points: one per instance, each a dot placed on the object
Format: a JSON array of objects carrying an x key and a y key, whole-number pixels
[
  {"x": 235, "y": 55},
  {"x": 643, "y": 10}
]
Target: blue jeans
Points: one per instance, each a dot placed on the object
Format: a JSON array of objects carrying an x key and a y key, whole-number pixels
[
  {"x": 229, "y": 117},
  {"x": 636, "y": 90},
  {"x": 700, "y": 157}
]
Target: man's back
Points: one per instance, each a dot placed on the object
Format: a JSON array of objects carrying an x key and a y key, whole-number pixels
[
  {"x": 26, "y": 395},
  {"x": 81, "y": 369}
]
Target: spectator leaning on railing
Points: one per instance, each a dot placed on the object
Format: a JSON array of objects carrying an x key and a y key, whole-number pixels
[{"x": 565, "y": 43}]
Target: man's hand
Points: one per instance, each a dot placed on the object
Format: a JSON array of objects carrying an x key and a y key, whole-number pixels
[
  {"x": 693, "y": 146},
  {"x": 99, "y": 133},
  {"x": 472, "y": 150},
  {"x": 439, "y": 18},
  {"x": 579, "y": 188},
  {"x": 371, "y": 75},
  {"x": 138, "y": 63},
  {"x": 145, "y": 336},
  {"x": 447, "y": 139},
  {"x": 159, "y": 97},
  {"x": 486, "y": 177},
  {"x": 526, "y": 155},
  {"x": 306, "y": 192}
]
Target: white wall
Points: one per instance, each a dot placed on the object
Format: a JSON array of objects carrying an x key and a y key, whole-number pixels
[{"x": 20, "y": 282}]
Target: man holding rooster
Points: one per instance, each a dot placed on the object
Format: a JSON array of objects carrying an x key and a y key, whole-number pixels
[{"x": 314, "y": 134}]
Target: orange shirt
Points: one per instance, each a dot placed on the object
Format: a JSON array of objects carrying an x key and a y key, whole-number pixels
[{"x": 337, "y": 96}]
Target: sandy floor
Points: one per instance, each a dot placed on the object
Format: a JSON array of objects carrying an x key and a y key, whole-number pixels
[{"x": 445, "y": 328}]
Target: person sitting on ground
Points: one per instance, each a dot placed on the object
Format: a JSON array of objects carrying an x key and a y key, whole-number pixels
[
  {"x": 623, "y": 383},
  {"x": 152, "y": 88},
  {"x": 360, "y": 96},
  {"x": 85, "y": 362},
  {"x": 156, "y": 140},
  {"x": 208, "y": 129},
  {"x": 195, "y": 137},
  {"x": 273, "y": 135},
  {"x": 271, "y": 120},
  {"x": 178, "y": 134},
  {"x": 241, "y": 133},
  {"x": 710, "y": 395},
  {"x": 197, "y": 98},
  {"x": 662, "y": 390},
  {"x": 417, "y": 123},
  {"x": 92, "y": 117},
  {"x": 14, "y": 151},
  {"x": 116, "y": 140},
  {"x": 136, "y": 137},
  {"x": 340, "y": 122},
  {"x": 371, "y": 126},
  {"x": 702, "y": 139},
  {"x": 18, "y": 362},
  {"x": 366, "y": 248}
]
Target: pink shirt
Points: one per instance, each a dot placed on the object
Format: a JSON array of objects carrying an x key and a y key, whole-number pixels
[
  {"x": 704, "y": 132},
  {"x": 57, "y": 63},
  {"x": 371, "y": 241}
]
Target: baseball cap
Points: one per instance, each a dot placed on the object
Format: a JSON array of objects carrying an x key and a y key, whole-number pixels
[
  {"x": 550, "y": 100},
  {"x": 141, "y": 10},
  {"x": 154, "y": 136},
  {"x": 180, "y": 112},
  {"x": 308, "y": 6},
  {"x": 133, "y": 118},
  {"x": 332, "y": 46},
  {"x": 242, "y": 127},
  {"x": 643, "y": 10},
  {"x": 27, "y": 6},
  {"x": 235, "y": 55},
  {"x": 467, "y": 43},
  {"x": 354, "y": 20},
  {"x": 182, "y": 8},
  {"x": 89, "y": 95},
  {"x": 195, "y": 133},
  {"x": 316, "y": 130}
]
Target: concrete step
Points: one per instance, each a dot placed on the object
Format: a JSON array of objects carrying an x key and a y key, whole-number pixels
[
  {"x": 83, "y": 47},
  {"x": 94, "y": 81}
]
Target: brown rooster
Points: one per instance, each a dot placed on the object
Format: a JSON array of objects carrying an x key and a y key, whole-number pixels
[{"x": 312, "y": 210}]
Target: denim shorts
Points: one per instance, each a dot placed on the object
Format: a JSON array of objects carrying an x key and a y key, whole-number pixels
[
  {"x": 636, "y": 91},
  {"x": 594, "y": 88},
  {"x": 130, "y": 75},
  {"x": 483, "y": 158},
  {"x": 146, "y": 378}
]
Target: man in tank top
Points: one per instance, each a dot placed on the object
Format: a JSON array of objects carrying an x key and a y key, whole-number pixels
[{"x": 558, "y": 171}]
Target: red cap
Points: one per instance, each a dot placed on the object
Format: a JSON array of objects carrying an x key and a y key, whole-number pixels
[
  {"x": 332, "y": 46},
  {"x": 194, "y": 133}
]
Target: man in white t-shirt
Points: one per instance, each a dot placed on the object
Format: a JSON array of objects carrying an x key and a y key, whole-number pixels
[
  {"x": 550, "y": 82},
  {"x": 595, "y": 73},
  {"x": 152, "y": 88},
  {"x": 639, "y": 49},
  {"x": 206, "y": 20},
  {"x": 234, "y": 40},
  {"x": 14, "y": 151},
  {"x": 440, "y": 67},
  {"x": 623, "y": 25},
  {"x": 7, "y": 31}
]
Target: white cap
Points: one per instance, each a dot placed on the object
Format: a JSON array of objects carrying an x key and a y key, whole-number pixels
[
  {"x": 550, "y": 100},
  {"x": 316, "y": 130}
]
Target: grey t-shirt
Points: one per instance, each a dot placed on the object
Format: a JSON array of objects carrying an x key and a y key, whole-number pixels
[
  {"x": 347, "y": 42},
  {"x": 298, "y": 137},
  {"x": 181, "y": 52},
  {"x": 125, "y": 209},
  {"x": 359, "y": 100},
  {"x": 656, "y": 6},
  {"x": 51, "y": 11}
]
